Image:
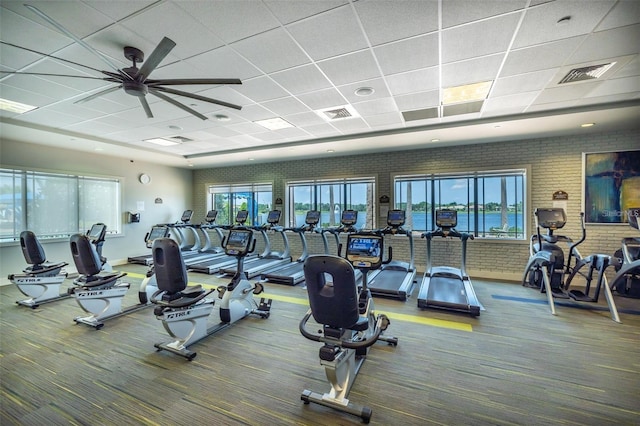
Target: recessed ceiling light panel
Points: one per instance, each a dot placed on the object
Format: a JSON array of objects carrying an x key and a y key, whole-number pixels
[
  {"x": 276, "y": 123},
  {"x": 17, "y": 107},
  {"x": 466, "y": 93}
]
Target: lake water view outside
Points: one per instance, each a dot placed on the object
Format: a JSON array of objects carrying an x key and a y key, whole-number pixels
[{"x": 492, "y": 222}]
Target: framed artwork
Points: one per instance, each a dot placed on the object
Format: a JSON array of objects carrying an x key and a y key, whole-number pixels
[{"x": 611, "y": 185}]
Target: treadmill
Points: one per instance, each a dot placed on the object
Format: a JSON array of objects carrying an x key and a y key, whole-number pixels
[
  {"x": 267, "y": 259},
  {"x": 445, "y": 287},
  {"x": 348, "y": 220},
  {"x": 293, "y": 273},
  {"x": 397, "y": 278},
  {"x": 214, "y": 265},
  {"x": 157, "y": 231},
  {"x": 204, "y": 248}
]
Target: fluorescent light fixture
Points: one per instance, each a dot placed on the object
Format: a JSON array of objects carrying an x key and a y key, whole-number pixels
[
  {"x": 276, "y": 123},
  {"x": 161, "y": 141},
  {"x": 587, "y": 124},
  {"x": 17, "y": 107},
  {"x": 466, "y": 93}
]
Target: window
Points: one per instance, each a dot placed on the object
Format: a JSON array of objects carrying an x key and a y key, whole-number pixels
[
  {"x": 256, "y": 198},
  {"x": 56, "y": 205},
  {"x": 330, "y": 198},
  {"x": 489, "y": 204}
]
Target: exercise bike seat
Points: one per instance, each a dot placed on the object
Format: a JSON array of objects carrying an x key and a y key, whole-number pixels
[
  {"x": 333, "y": 304},
  {"x": 171, "y": 276},
  {"x": 89, "y": 265},
  {"x": 34, "y": 255}
]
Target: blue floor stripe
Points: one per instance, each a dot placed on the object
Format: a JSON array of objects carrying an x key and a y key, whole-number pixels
[{"x": 576, "y": 305}]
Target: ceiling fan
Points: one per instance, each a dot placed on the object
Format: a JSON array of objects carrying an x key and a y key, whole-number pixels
[{"x": 135, "y": 81}]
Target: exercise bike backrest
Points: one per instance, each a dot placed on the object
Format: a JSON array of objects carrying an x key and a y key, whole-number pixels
[
  {"x": 85, "y": 255},
  {"x": 169, "y": 266},
  {"x": 32, "y": 249}
]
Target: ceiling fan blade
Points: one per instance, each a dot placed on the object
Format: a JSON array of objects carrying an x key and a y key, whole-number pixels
[
  {"x": 55, "y": 75},
  {"x": 98, "y": 94},
  {"x": 178, "y": 104},
  {"x": 197, "y": 97},
  {"x": 49, "y": 56},
  {"x": 179, "y": 81},
  {"x": 76, "y": 39},
  {"x": 159, "y": 53},
  {"x": 146, "y": 107}
]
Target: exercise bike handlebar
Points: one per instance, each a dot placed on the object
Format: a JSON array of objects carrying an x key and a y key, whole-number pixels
[{"x": 342, "y": 343}]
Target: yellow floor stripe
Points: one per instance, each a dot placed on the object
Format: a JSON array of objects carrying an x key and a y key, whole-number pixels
[{"x": 433, "y": 322}]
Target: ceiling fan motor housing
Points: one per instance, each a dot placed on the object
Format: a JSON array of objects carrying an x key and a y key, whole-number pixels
[{"x": 135, "y": 88}]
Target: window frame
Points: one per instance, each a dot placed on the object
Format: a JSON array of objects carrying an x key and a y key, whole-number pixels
[
  {"x": 345, "y": 201},
  {"x": 479, "y": 229},
  {"x": 28, "y": 218}
]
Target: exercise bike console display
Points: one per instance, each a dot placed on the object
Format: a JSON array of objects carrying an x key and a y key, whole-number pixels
[
  {"x": 238, "y": 242},
  {"x": 97, "y": 231},
  {"x": 312, "y": 218},
  {"x": 211, "y": 216},
  {"x": 349, "y": 217},
  {"x": 242, "y": 216},
  {"x": 365, "y": 251},
  {"x": 274, "y": 217}
]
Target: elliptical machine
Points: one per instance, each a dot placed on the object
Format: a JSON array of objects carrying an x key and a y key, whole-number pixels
[
  {"x": 101, "y": 294},
  {"x": 184, "y": 309},
  {"x": 546, "y": 267},
  {"x": 627, "y": 280},
  {"x": 41, "y": 280},
  {"x": 346, "y": 313}
]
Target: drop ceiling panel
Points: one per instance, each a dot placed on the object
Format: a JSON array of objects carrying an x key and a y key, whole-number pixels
[
  {"x": 540, "y": 23},
  {"x": 566, "y": 93},
  {"x": 522, "y": 83},
  {"x": 285, "y": 106},
  {"x": 390, "y": 21},
  {"x": 350, "y": 67},
  {"x": 332, "y": 33},
  {"x": 549, "y": 55},
  {"x": 408, "y": 55},
  {"x": 283, "y": 51},
  {"x": 321, "y": 99},
  {"x": 261, "y": 89},
  {"x": 457, "y": 12},
  {"x": 231, "y": 20},
  {"x": 420, "y": 100},
  {"x": 414, "y": 81},
  {"x": 489, "y": 36},
  {"x": 304, "y": 79},
  {"x": 607, "y": 44},
  {"x": 378, "y": 85},
  {"x": 288, "y": 11},
  {"x": 471, "y": 71}
]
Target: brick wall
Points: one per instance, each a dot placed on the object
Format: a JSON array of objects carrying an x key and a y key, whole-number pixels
[{"x": 555, "y": 164}]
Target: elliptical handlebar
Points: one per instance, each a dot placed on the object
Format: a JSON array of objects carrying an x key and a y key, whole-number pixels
[{"x": 343, "y": 343}]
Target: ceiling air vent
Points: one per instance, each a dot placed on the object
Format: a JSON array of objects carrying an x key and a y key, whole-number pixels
[
  {"x": 338, "y": 113},
  {"x": 181, "y": 139},
  {"x": 586, "y": 73}
]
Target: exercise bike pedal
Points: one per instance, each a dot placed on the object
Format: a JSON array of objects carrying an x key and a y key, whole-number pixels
[
  {"x": 221, "y": 289},
  {"x": 580, "y": 296},
  {"x": 264, "y": 307},
  {"x": 258, "y": 288}
]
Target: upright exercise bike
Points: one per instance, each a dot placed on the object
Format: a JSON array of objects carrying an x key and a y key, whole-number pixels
[
  {"x": 184, "y": 310},
  {"x": 41, "y": 280},
  {"x": 627, "y": 280},
  {"x": 100, "y": 293},
  {"x": 346, "y": 313}
]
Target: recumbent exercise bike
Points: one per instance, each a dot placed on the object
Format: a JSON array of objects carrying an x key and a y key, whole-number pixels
[
  {"x": 184, "y": 310},
  {"x": 346, "y": 313}
]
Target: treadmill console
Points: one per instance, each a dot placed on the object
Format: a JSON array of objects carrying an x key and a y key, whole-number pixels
[
  {"x": 396, "y": 218},
  {"x": 365, "y": 251},
  {"x": 242, "y": 216},
  {"x": 186, "y": 216},
  {"x": 553, "y": 218},
  {"x": 312, "y": 218},
  {"x": 349, "y": 217},
  {"x": 211, "y": 216},
  {"x": 274, "y": 217},
  {"x": 446, "y": 218},
  {"x": 238, "y": 242}
]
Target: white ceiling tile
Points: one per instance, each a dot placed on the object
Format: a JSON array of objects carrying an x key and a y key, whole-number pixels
[
  {"x": 407, "y": 55},
  {"x": 24, "y": 96},
  {"x": 231, "y": 20},
  {"x": 224, "y": 63},
  {"x": 350, "y": 68},
  {"x": 304, "y": 119},
  {"x": 545, "y": 56},
  {"x": 322, "y": 130},
  {"x": 608, "y": 44},
  {"x": 261, "y": 89},
  {"x": 375, "y": 107},
  {"x": 285, "y": 106},
  {"x": 329, "y": 34},
  {"x": 322, "y": 99},
  {"x": 540, "y": 23},
  {"x": 414, "y": 81},
  {"x": 456, "y": 12},
  {"x": 283, "y": 52},
  {"x": 566, "y": 93},
  {"x": 388, "y": 120},
  {"x": 420, "y": 100},
  {"x": 478, "y": 39},
  {"x": 386, "y": 21},
  {"x": 623, "y": 13},
  {"x": 304, "y": 79},
  {"x": 519, "y": 100},
  {"x": 522, "y": 83},
  {"x": 616, "y": 86},
  {"x": 288, "y": 11},
  {"x": 351, "y": 125},
  {"x": 471, "y": 71},
  {"x": 378, "y": 85}
]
